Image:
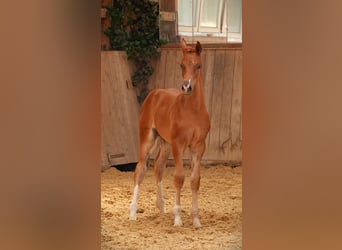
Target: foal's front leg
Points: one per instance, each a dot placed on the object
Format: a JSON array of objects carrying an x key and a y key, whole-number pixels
[
  {"x": 195, "y": 183},
  {"x": 196, "y": 155},
  {"x": 178, "y": 181}
]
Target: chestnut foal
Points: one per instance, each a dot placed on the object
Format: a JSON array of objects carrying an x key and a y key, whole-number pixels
[{"x": 179, "y": 119}]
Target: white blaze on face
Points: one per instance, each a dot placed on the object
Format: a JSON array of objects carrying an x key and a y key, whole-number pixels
[{"x": 186, "y": 87}]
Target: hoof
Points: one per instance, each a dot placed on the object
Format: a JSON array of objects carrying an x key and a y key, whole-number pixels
[
  {"x": 132, "y": 217},
  {"x": 178, "y": 222},
  {"x": 133, "y": 212},
  {"x": 160, "y": 206},
  {"x": 197, "y": 223}
]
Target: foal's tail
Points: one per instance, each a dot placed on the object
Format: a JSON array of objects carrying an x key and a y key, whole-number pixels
[{"x": 156, "y": 145}]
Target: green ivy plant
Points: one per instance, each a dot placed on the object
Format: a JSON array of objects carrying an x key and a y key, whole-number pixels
[{"x": 134, "y": 28}]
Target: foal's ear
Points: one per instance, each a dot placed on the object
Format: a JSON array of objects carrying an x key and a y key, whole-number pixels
[
  {"x": 198, "y": 48},
  {"x": 183, "y": 44}
]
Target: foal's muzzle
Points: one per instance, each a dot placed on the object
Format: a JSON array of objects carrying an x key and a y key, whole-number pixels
[{"x": 187, "y": 87}]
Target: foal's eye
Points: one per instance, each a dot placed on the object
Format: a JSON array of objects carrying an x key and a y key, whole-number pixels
[
  {"x": 182, "y": 66},
  {"x": 198, "y": 66}
]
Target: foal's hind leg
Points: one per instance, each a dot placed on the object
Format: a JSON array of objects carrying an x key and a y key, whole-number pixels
[
  {"x": 147, "y": 139},
  {"x": 159, "y": 165}
]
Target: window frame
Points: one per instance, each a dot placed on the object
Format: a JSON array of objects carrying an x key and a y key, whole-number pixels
[
  {"x": 217, "y": 32},
  {"x": 206, "y": 29}
]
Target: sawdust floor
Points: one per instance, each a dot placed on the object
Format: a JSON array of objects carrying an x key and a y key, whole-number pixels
[{"x": 220, "y": 204}]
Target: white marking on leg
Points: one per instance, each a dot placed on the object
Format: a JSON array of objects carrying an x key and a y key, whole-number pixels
[
  {"x": 194, "y": 211},
  {"x": 195, "y": 220},
  {"x": 177, "y": 212},
  {"x": 134, "y": 204},
  {"x": 197, "y": 223},
  {"x": 160, "y": 199}
]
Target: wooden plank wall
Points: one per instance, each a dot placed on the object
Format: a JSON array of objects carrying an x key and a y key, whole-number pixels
[
  {"x": 119, "y": 110},
  {"x": 222, "y": 79}
]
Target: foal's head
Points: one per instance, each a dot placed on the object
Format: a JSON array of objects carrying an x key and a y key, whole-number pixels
[{"x": 191, "y": 65}]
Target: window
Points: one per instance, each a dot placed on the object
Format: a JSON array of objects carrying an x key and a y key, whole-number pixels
[{"x": 211, "y": 18}]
